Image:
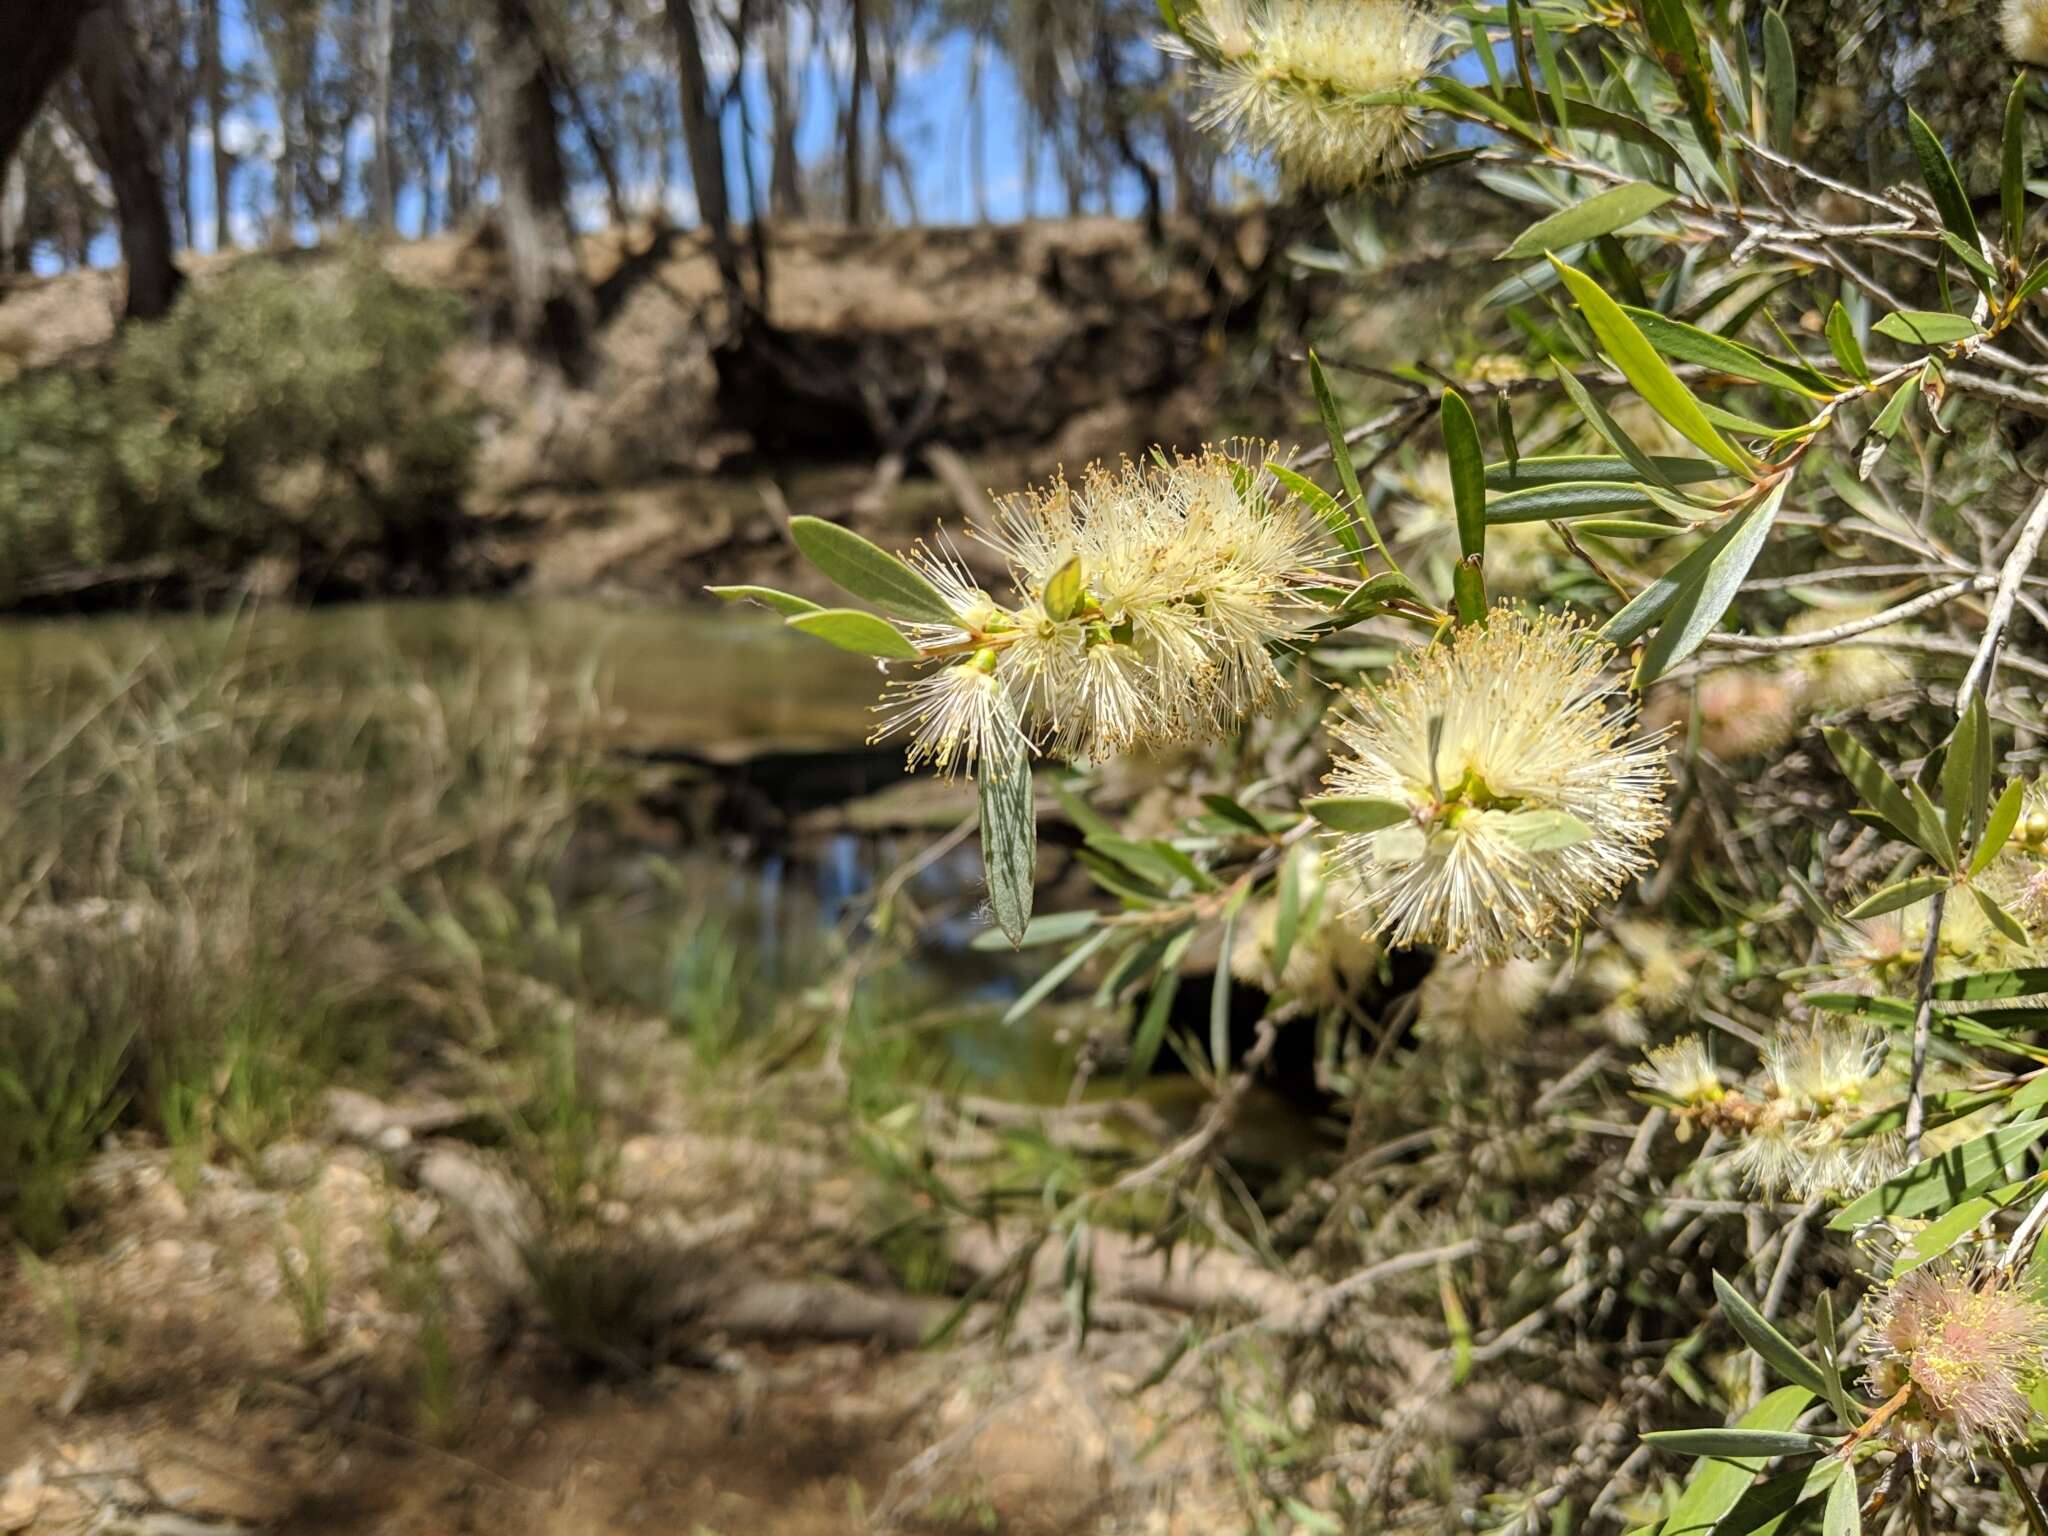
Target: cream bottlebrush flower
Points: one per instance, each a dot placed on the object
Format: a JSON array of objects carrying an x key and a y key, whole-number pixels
[
  {"x": 1818, "y": 1085},
  {"x": 1146, "y": 602},
  {"x": 2025, "y": 24},
  {"x": 1189, "y": 573},
  {"x": 1462, "y": 1000},
  {"x": 1844, "y": 676},
  {"x": 1640, "y": 974},
  {"x": 1292, "y": 80},
  {"x": 958, "y": 716},
  {"x": 1328, "y": 961},
  {"x": 1886, "y": 951},
  {"x": 1529, "y": 798},
  {"x": 1683, "y": 1070},
  {"x": 1965, "y": 1349}
]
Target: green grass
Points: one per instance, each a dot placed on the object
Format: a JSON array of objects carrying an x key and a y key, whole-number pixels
[{"x": 231, "y": 880}]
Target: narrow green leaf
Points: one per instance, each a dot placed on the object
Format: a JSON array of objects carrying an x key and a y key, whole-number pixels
[
  {"x": 1235, "y": 814},
  {"x": 1468, "y": 590},
  {"x": 1970, "y": 257},
  {"x": 1651, "y": 376},
  {"x": 1553, "y": 78},
  {"x": 1456, "y": 97},
  {"x": 1675, "y": 42},
  {"x": 854, "y": 629},
  {"x": 1729, "y": 1443},
  {"x": 785, "y": 603},
  {"x": 1468, "y": 473},
  {"x": 1009, "y": 844},
  {"x": 1357, "y": 813},
  {"x": 1549, "y": 503},
  {"x": 2023, "y": 981},
  {"x": 1869, "y": 779},
  {"x": 1158, "y": 1009},
  {"x": 1690, "y": 344},
  {"x": 1827, "y": 1345},
  {"x": 1587, "y": 116},
  {"x": 1627, "y": 528},
  {"x": 1959, "y": 764},
  {"x": 1605, "y": 424},
  {"x": 1067, "y": 964},
  {"x": 1948, "y": 1229},
  {"x": 2012, "y": 188},
  {"x": 1781, "y": 82},
  {"x": 1944, "y": 1181},
  {"x": 1926, "y": 327},
  {"x": 1650, "y": 604},
  {"x": 1998, "y": 917},
  {"x": 1326, "y": 507},
  {"x": 1943, "y": 185},
  {"x": 1707, "y": 592},
  {"x": 1892, "y": 897},
  {"x": 1602, "y": 214},
  {"x": 1760, "y": 1335},
  {"x": 1052, "y": 928},
  {"x": 1933, "y": 830},
  {"x": 1340, "y": 455},
  {"x": 1844, "y": 1513},
  {"x": 1286, "y": 911},
  {"x": 1843, "y": 343},
  {"x": 867, "y": 570},
  {"x": 1572, "y": 468},
  {"x": 1219, "y": 997},
  {"x": 2005, "y": 815}
]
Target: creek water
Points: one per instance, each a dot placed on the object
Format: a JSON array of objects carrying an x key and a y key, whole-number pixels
[{"x": 772, "y": 814}]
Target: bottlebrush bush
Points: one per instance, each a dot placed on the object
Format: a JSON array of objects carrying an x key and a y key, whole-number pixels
[{"x": 1706, "y": 1160}]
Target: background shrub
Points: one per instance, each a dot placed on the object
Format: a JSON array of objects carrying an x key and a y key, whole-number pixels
[{"x": 299, "y": 410}]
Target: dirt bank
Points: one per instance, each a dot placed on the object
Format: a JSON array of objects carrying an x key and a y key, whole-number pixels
[{"x": 892, "y": 377}]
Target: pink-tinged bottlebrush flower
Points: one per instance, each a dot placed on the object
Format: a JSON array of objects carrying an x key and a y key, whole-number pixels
[
  {"x": 1530, "y": 797},
  {"x": 1965, "y": 1348}
]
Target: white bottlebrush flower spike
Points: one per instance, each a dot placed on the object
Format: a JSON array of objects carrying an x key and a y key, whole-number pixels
[
  {"x": 1683, "y": 1070},
  {"x": 957, "y": 716},
  {"x": 1967, "y": 1348},
  {"x": 1819, "y": 1083},
  {"x": 1293, "y": 80},
  {"x": 2026, "y": 30},
  {"x": 1146, "y": 601},
  {"x": 1530, "y": 800}
]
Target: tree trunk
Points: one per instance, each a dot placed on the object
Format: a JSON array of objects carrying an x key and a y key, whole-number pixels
[
  {"x": 37, "y": 42},
  {"x": 552, "y": 308},
  {"x": 785, "y": 175},
  {"x": 855, "y": 175},
  {"x": 1115, "y": 110},
  {"x": 977, "y": 130},
  {"x": 383, "y": 176},
  {"x": 215, "y": 85},
  {"x": 13, "y": 217},
  {"x": 111, "y": 72},
  {"x": 702, "y": 138}
]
